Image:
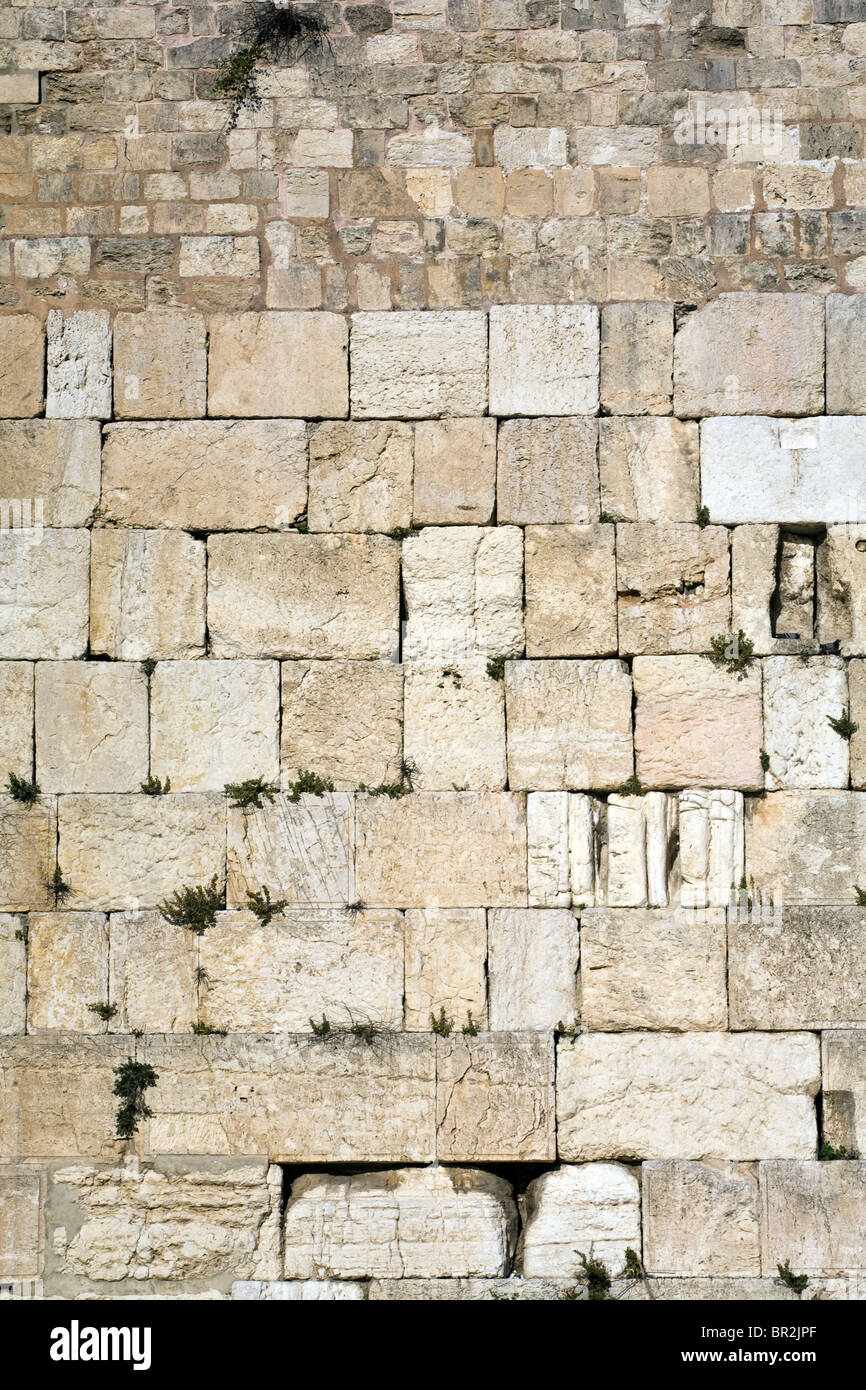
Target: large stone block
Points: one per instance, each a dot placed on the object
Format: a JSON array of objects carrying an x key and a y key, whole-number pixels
[
  {"x": 548, "y": 868},
  {"x": 673, "y": 583},
  {"x": 344, "y": 719},
  {"x": 174, "y": 473},
  {"x": 701, "y": 1219},
  {"x": 788, "y": 471},
  {"x": 43, "y": 593},
  {"x": 751, "y": 354},
  {"x": 711, "y": 846},
  {"x": 593, "y": 1208},
  {"x": 16, "y": 728},
  {"x": 151, "y": 973},
  {"x": 547, "y": 471},
  {"x": 843, "y": 1070},
  {"x": 649, "y": 469},
  {"x": 495, "y": 1098},
  {"x": 800, "y": 698},
  {"x": 360, "y": 476},
  {"x": 147, "y": 594},
  {"x": 702, "y": 1095},
  {"x": 160, "y": 365},
  {"x": 303, "y": 596},
  {"x": 214, "y": 722},
  {"x": 857, "y": 710},
  {"x": 22, "y": 365},
  {"x": 814, "y": 1216},
  {"x": 696, "y": 725},
  {"x": 54, "y": 463},
  {"x": 67, "y": 970},
  {"x": 807, "y": 847},
  {"x": 637, "y": 352},
  {"x": 797, "y": 968},
  {"x": 569, "y": 724},
  {"x": 454, "y": 727},
  {"x": 13, "y": 974},
  {"x": 269, "y": 364},
  {"x": 544, "y": 360},
  {"x": 840, "y": 565},
  {"x": 455, "y": 472},
  {"x": 415, "y": 366},
  {"x": 302, "y": 851},
  {"x": 21, "y": 1191},
  {"x": 754, "y": 582},
  {"x": 91, "y": 726},
  {"x": 846, "y": 354},
  {"x": 79, "y": 364},
  {"x": 533, "y": 959},
  {"x": 463, "y": 590},
  {"x": 570, "y": 591},
  {"x": 446, "y": 966},
  {"x": 28, "y": 841}
]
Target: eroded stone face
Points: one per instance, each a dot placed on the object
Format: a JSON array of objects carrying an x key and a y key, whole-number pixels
[
  {"x": 22, "y": 365},
  {"x": 533, "y": 958},
  {"x": 637, "y": 348},
  {"x": 91, "y": 726},
  {"x": 701, "y": 1219},
  {"x": 344, "y": 719},
  {"x": 418, "y": 365},
  {"x": 151, "y": 973},
  {"x": 28, "y": 841},
  {"x": 800, "y": 698},
  {"x": 445, "y": 958},
  {"x": 463, "y": 589},
  {"x": 360, "y": 476},
  {"x": 302, "y": 850},
  {"x": 846, "y": 363},
  {"x": 454, "y": 730},
  {"x": 547, "y": 471},
  {"x": 814, "y": 1216},
  {"x": 455, "y": 472},
  {"x": 287, "y": 364},
  {"x": 570, "y": 591},
  {"x": 494, "y": 1095},
  {"x": 67, "y": 970},
  {"x": 160, "y": 365},
  {"x": 52, "y": 463},
  {"x": 79, "y": 364},
  {"x": 843, "y": 1121},
  {"x": 147, "y": 595},
  {"x": 569, "y": 724},
  {"x": 648, "y": 469},
  {"x": 13, "y": 974},
  {"x": 796, "y": 967},
  {"x": 807, "y": 846},
  {"x": 20, "y": 1229},
  {"x": 594, "y": 1206},
  {"x": 840, "y": 564},
  {"x": 16, "y": 727},
  {"x": 214, "y": 722},
  {"x": 696, "y": 724},
  {"x": 673, "y": 587},
  {"x": 43, "y": 593},
  {"x": 544, "y": 359}
]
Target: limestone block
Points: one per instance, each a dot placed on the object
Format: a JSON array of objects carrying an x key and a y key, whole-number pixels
[
  {"x": 13, "y": 974},
  {"x": 79, "y": 364},
  {"x": 54, "y": 463},
  {"x": 43, "y": 593},
  {"x": 151, "y": 973},
  {"x": 416, "y": 1222},
  {"x": 454, "y": 732},
  {"x": 57, "y": 1099},
  {"x": 147, "y": 594},
  {"x": 711, "y": 846},
  {"x": 547, "y": 471},
  {"x": 344, "y": 719},
  {"x": 701, "y": 1219},
  {"x": 789, "y": 471},
  {"x": 547, "y": 849},
  {"x": 661, "y": 968},
  {"x": 67, "y": 969},
  {"x": 292, "y": 364},
  {"x": 800, "y": 697},
  {"x": 649, "y": 468},
  {"x": 300, "y": 1291},
  {"x": 533, "y": 959},
  {"x": 635, "y": 842},
  {"x": 512, "y": 1289},
  {"x": 751, "y": 354},
  {"x": 360, "y": 476},
  {"x": 303, "y": 596},
  {"x": 583, "y": 815},
  {"x": 544, "y": 360},
  {"x": 20, "y": 1221},
  {"x": 160, "y": 365},
  {"x": 840, "y": 563},
  {"x": 797, "y": 968},
  {"x": 16, "y": 726},
  {"x": 214, "y": 722},
  {"x": 495, "y": 1098},
  {"x": 22, "y": 365},
  {"x": 302, "y": 851},
  {"x": 570, "y": 591},
  {"x": 569, "y": 724},
  {"x": 174, "y": 473},
  {"x": 594, "y": 1208},
  {"x": 795, "y": 615},
  {"x": 754, "y": 552},
  {"x": 446, "y": 960},
  {"x": 28, "y": 839},
  {"x": 698, "y": 1095},
  {"x": 529, "y": 148},
  {"x": 637, "y": 352},
  {"x": 123, "y": 852},
  {"x": 418, "y": 365},
  {"x": 857, "y": 709},
  {"x": 807, "y": 847},
  {"x": 696, "y": 725},
  {"x": 441, "y": 849},
  {"x": 844, "y": 1093},
  {"x": 814, "y": 1216},
  {"x": 91, "y": 726},
  {"x": 455, "y": 472},
  {"x": 306, "y": 963},
  {"x": 673, "y": 583},
  {"x": 846, "y": 354},
  {"x": 463, "y": 589},
  {"x": 430, "y": 148}
]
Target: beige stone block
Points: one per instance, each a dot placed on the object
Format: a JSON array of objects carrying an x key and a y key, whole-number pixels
[
  {"x": 300, "y": 1291},
  {"x": 569, "y": 724},
  {"x": 637, "y": 352},
  {"x": 79, "y": 364},
  {"x": 800, "y": 697},
  {"x": 43, "y": 593},
  {"x": 455, "y": 472},
  {"x": 840, "y": 564},
  {"x": 463, "y": 589},
  {"x": 160, "y": 365},
  {"x": 547, "y": 471},
  {"x": 656, "y": 968},
  {"x": 441, "y": 849},
  {"x": 67, "y": 970},
  {"x": 446, "y": 966},
  {"x": 700, "y": 1219},
  {"x": 698, "y": 1095},
  {"x": 711, "y": 836},
  {"x": 807, "y": 846},
  {"x": 28, "y": 839},
  {"x": 173, "y": 474},
  {"x": 127, "y": 852},
  {"x": 214, "y": 722},
  {"x": 20, "y": 1222},
  {"x": 594, "y": 1208},
  {"x": 219, "y": 255},
  {"x": 360, "y": 476},
  {"x": 548, "y": 878},
  {"x": 16, "y": 728},
  {"x": 303, "y": 596},
  {"x": 797, "y": 967},
  {"x": 673, "y": 587},
  {"x": 696, "y": 725},
  {"x": 147, "y": 594},
  {"x": 544, "y": 360},
  {"x": 53, "y": 465},
  {"x": 22, "y": 365},
  {"x": 418, "y": 365},
  {"x": 857, "y": 709},
  {"x": 754, "y": 552},
  {"x": 342, "y": 719},
  {"x": 454, "y": 727},
  {"x": 533, "y": 959},
  {"x": 270, "y": 364},
  {"x": 814, "y": 1216},
  {"x": 846, "y": 355},
  {"x": 843, "y": 1118},
  {"x": 678, "y": 191},
  {"x": 756, "y": 469},
  {"x": 13, "y": 974},
  {"x": 302, "y": 851},
  {"x": 649, "y": 469},
  {"x": 91, "y": 726},
  {"x": 633, "y": 844},
  {"x": 495, "y": 1098},
  {"x": 151, "y": 973},
  {"x": 570, "y": 591}
]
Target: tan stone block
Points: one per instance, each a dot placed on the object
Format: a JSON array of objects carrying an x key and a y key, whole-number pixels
[
  {"x": 807, "y": 185},
  {"x": 454, "y": 727},
  {"x": 360, "y": 476},
  {"x": 494, "y": 1098},
  {"x": 649, "y": 469},
  {"x": 548, "y": 876},
  {"x": 678, "y": 191},
  {"x": 13, "y": 974},
  {"x": 674, "y": 591},
  {"x": 857, "y": 711},
  {"x": 840, "y": 564},
  {"x": 455, "y": 471},
  {"x": 151, "y": 973},
  {"x": 754, "y": 552},
  {"x": 814, "y": 1216},
  {"x": 446, "y": 959},
  {"x": 160, "y": 364},
  {"x": 569, "y": 724},
  {"x": 22, "y": 365},
  {"x": 91, "y": 726},
  {"x": 700, "y": 1219},
  {"x": 431, "y": 190},
  {"x": 16, "y": 728},
  {"x": 43, "y": 593},
  {"x": 711, "y": 846},
  {"x": 547, "y": 471},
  {"x": 733, "y": 189},
  {"x": 147, "y": 594},
  {"x": 637, "y": 354},
  {"x": 214, "y": 722},
  {"x": 594, "y": 1207},
  {"x": 52, "y": 462},
  {"x": 28, "y": 840},
  {"x": 303, "y": 596},
  {"x": 807, "y": 846},
  {"x": 573, "y": 192},
  {"x": 463, "y": 589},
  {"x": 533, "y": 958},
  {"x": 696, "y": 725},
  {"x": 528, "y": 193},
  {"x": 418, "y": 365},
  {"x": 796, "y": 967},
  {"x": 480, "y": 192},
  {"x": 20, "y": 1222},
  {"x": 67, "y": 970},
  {"x": 302, "y": 851},
  {"x": 800, "y": 698},
  {"x": 570, "y": 591},
  {"x": 79, "y": 364},
  {"x": 544, "y": 361},
  {"x": 271, "y": 364},
  {"x": 342, "y": 719},
  {"x": 843, "y": 1118}
]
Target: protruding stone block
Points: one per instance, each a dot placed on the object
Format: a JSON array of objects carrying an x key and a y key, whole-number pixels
[
  {"x": 649, "y": 469},
  {"x": 67, "y": 970},
  {"x": 549, "y": 881},
  {"x": 494, "y": 1098},
  {"x": 594, "y": 1208},
  {"x": 415, "y": 366},
  {"x": 344, "y": 719},
  {"x": 91, "y": 726},
  {"x": 463, "y": 588},
  {"x": 147, "y": 595},
  {"x": 160, "y": 365},
  {"x": 455, "y": 472},
  {"x": 696, "y": 725},
  {"x": 547, "y": 471},
  {"x": 288, "y": 364},
  {"x": 533, "y": 959},
  {"x": 637, "y": 352},
  {"x": 700, "y": 1219},
  {"x": 446, "y": 960},
  {"x": 360, "y": 476},
  {"x": 22, "y": 365},
  {"x": 214, "y": 722},
  {"x": 544, "y": 360},
  {"x": 43, "y": 594},
  {"x": 569, "y": 724},
  {"x": 570, "y": 591},
  {"x": 52, "y": 465},
  {"x": 79, "y": 365}
]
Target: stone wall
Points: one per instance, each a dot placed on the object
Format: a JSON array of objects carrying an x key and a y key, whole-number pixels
[{"x": 466, "y": 450}]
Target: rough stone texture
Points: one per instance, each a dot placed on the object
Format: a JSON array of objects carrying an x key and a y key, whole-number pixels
[
  {"x": 454, "y": 727},
  {"x": 20, "y": 1226},
  {"x": 463, "y": 590},
  {"x": 13, "y": 975},
  {"x": 711, "y": 846},
  {"x": 344, "y": 719},
  {"x": 649, "y": 469},
  {"x": 360, "y": 476},
  {"x": 300, "y": 1291},
  {"x": 790, "y": 471},
  {"x": 533, "y": 958},
  {"x": 22, "y": 365},
  {"x": 807, "y": 846},
  {"x": 445, "y": 960},
  {"x": 702, "y": 1095},
  {"x": 79, "y": 365},
  {"x": 814, "y": 1216},
  {"x": 55, "y": 462},
  {"x": 569, "y": 724},
  {"x": 151, "y": 973},
  {"x": 147, "y": 595},
  {"x": 302, "y": 850},
  {"x": 637, "y": 348},
  {"x": 857, "y": 706},
  {"x": 696, "y": 725},
  {"x": 455, "y": 472},
  {"x": 570, "y": 591},
  {"x": 673, "y": 586},
  {"x": 800, "y": 969},
  {"x": 28, "y": 840},
  {"x": 846, "y": 363},
  {"x": 800, "y": 697},
  {"x": 67, "y": 970},
  {"x": 594, "y": 1208},
  {"x": 160, "y": 365},
  {"x": 414, "y": 366},
  {"x": 544, "y": 359},
  {"x": 269, "y": 364},
  {"x": 754, "y": 551},
  {"x": 844, "y": 1094},
  {"x": 91, "y": 726},
  {"x": 16, "y": 728},
  {"x": 43, "y": 594},
  {"x": 495, "y": 1096},
  {"x": 701, "y": 1220},
  {"x": 213, "y": 722},
  {"x": 547, "y": 471},
  {"x": 840, "y": 567},
  {"x": 548, "y": 876}
]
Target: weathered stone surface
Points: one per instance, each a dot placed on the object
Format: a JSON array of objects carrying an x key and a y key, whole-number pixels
[
  {"x": 632, "y": 847},
  {"x": 20, "y": 1223},
  {"x": 300, "y": 1291},
  {"x": 463, "y": 589},
  {"x": 303, "y": 596},
  {"x": 711, "y": 846},
  {"x": 67, "y": 970},
  {"x": 28, "y": 838},
  {"x": 594, "y": 1208},
  {"x": 360, "y": 476},
  {"x": 548, "y": 878},
  {"x": 797, "y": 968},
  {"x": 213, "y": 722},
  {"x": 122, "y": 852},
  {"x": 79, "y": 364},
  {"x": 649, "y": 469},
  {"x": 570, "y": 591},
  {"x": 43, "y": 593},
  {"x": 840, "y": 563},
  {"x": 54, "y": 463},
  {"x": 789, "y": 471},
  {"x": 455, "y": 472},
  {"x": 846, "y": 354},
  {"x": 22, "y": 365},
  {"x": 441, "y": 849},
  {"x": 843, "y": 1119},
  {"x": 702, "y": 1095},
  {"x": 544, "y": 360},
  {"x": 701, "y": 1219},
  {"x": 512, "y": 1289},
  {"x": 205, "y": 475},
  {"x": 151, "y": 973},
  {"x": 814, "y": 1216},
  {"x": 420, "y": 1223},
  {"x": 160, "y": 365},
  {"x": 547, "y": 471},
  {"x": 147, "y": 594},
  {"x": 569, "y": 724},
  {"x": 13, "y": 974},
  {"x": 754, "y": 552},
  {"x": 807, "y": 847},
  {"x": 454, "y": 731},
  {"x": 269, "y": 364},
  {"x": 857, "y": 709},
  {"x": 745, "y": 354},
  {"x": 445, "y": 966},
  {"x": 16, "y": 727},
  {"x": 533, "y": 958},
  {"x": 800, "y": 697},
  {"x": 495, "y": 1098},
  {"x": 344, "y": 719},
  {"x": 673, "y": 587},
  {"x": 302, "y": 850},
  {"x": 653, "y": 968},
  {"x": 696, "y": 725},
  {"x": 637, "y": 350},
  {"x": 419, "y": 365},
  {"x": 305, "y": 964},
  {"x": 91, "y": 726}
]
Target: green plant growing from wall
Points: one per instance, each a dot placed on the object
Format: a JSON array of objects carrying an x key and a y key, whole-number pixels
[
  {"x": 797, "y": 1282},
  {"x": 633, "y": 787},
  {"x": 496, "y": 668},
  {"x": 58, "y": 887},
  {"x": 844, "y": 726},
  {"x": 194, "y": 907},
  {"x": 828, "y": 1154},
  {"x": 104, "y": 1011},
  {"x": 321, "y": 1030},
  {"x": 263, "y": 906},
  {"x": 470, "y": 1027},
  {"x": 21, "y": 790},
  {"x": 248, "y": 795},
  {"x": 702, "y": 517},
  {"x": 633, "y": 1267},
  {"x": 308, "y": 784},
  {"x": 861, "y": 895},
  {"x": 131, "y": 1080},
  {"x": 441, "y": 1024},
  {"x": 735, "y": 652},
  {"x": 154, "y": 787},
  {"x": 765, "y": 760},
  {"x": 148, "y": 666},
  {"x": 271, "y": 33},
  {"x": 206, "y": 1030}
]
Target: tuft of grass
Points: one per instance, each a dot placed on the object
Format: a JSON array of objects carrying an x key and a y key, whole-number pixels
[
  {"x": 131, "y": 1080},
  {"x": 148, "y": 666},
  {"x": 154, "y": 787},
  {"x": 633, "y": 1266},
  {"x": 733, "y": 651},
  {"x": 765, "y": 760},
  {"x": 441, "y": 1024},
  {"x": 861, "y": 895},
  {"x": 321, "y": 1030},
  {"x": 249, "y": 794},
  {"x": 365, "y": 1031},
  {"x": 353, "y": 909},
  {"x": 104, "y": 1011},
  {"x": 401, "y": 533},
  {"x": 607, "y": 519},
  {"x": 57, "y": 887},
  {"x": 563, "y": 1031},
  {"x": 797, "y": 1282},
  {"x": 844, "y": 726},
  {"x": 302, "y": 525},
  {"x": 496, "y": 668},
  {"x": 263, "y": 906},
  {"x": 21, "y": 790},
  {"x": 470, "y": 1027},
  {"x": 702, "y": 517},
  {"x": 207, "y": 1030},
  {"x": 194, "y": 907},
  {"x": 309, "y": 783},
  {"x": 596, "y": 1277},
  {"x": 633, "y": 787},
  {"x": 827, "y": 1153}
]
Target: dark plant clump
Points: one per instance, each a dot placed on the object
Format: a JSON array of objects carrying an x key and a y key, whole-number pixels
[
  {"x": 21, "y": 790},
  {"x": 271, "y": 34},
  {"x": 633, "y": 1267},
  {"x": 131, "y": 1080},
  {"x": 104, "y": 1011},
  {"x": 365, "y": 1031},
  {"x": 207, "y": 1030},
  {"x": 353, "y": 909},
  {"x": 633, "y": 787},
  {"x": 861, "y": 895},
  {"x": 844, "y": 726},
  {"x": 828, "y": 1154},
  {"x": 765, "y": 760},
  {"x": 496, "y": 667},
  {"x": 470, "y": 1027},
  {"x": 797, "y": 1282},
  {"x": 148, "y": 666},
  {"x": 154, "y": 787},
  {"x": 195, "y": 907},
  {"x": 734, "y": 651},
  {"x": 249, "y": 794},
  {"x": 597, "y": 1278},
  {"x": 703, "y": 517},
  {"x": 440, "y": 1023},
  {"x": 58, "y": 889},
  {"x": 263, "y": 906},
  {"x": 311, "y": 784},
  {"x": 321, "y": 1030}
]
